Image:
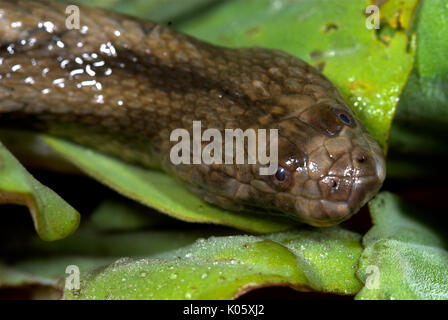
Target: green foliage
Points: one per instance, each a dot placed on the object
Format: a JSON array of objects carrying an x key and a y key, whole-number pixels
[
  {"x": 226, "y": 267},
  {"x": 419, "y": 133},
  {"x": 53, "y": 218},
  {"x": 409, "y": 256}
]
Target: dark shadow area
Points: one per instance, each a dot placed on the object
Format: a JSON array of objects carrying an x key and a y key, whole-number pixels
[{"x": 285, "y": 293}]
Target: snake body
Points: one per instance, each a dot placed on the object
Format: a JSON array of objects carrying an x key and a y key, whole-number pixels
[{"x": 121, "y": 85}]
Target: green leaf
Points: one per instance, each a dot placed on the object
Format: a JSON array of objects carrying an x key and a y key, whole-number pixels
[
  {"x": 53, "y": 218},
  {"x": 226, "y": 267},
  {"x": 419, "y": 132},
  {"x": 398, "y": 13},
  {"x": 403, "y": 258},
  {"x": 114, "y": 215},
  {"x": 328, "y": 257},
  {"x": 159, "y": 191},
  {"x": 425, "y": 99},
  {"x": 11, "y": 277},
  {"x": 332, "y": 35},
  {"x": 51, "y": 270},
  {"x": 44, "y": 263},
  {"x": 86, "y": 242}
]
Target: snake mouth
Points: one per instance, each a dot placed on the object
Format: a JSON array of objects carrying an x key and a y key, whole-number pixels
[
  {"x": 335, "y": 208},
  {"x": 328, "y": 222},
  {"x": 323, "y": 213}
]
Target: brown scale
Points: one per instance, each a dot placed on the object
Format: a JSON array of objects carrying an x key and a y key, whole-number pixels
[{"x": 121, "y": 85}]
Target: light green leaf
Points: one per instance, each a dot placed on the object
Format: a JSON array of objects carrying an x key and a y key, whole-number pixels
[
  {"x": 328, "y": 257},
  {"x": 53, "y": 218},
  {"x": 86, "y": 242},
  {"x": 403, "y": 257},
  {"x": 114, "y": 215},
  {"x": 44, "y": 263},
  {"x": 424, "y": 103},
  {"x": 419, "y": 133},
  {"x": 11, "y": 277},
  {"x": 226, "y": 267}
]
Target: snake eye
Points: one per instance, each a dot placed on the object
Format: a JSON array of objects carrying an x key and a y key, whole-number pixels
[
  {"x": 344, "y": 117},
  {"x": 282, "y": 178},
  {"x": 280, "y": 175}
]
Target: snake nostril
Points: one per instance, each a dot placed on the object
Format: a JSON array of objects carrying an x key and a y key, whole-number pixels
[
  {"x": 361, "y": 159},
  {"x": 335, "y": 188}
]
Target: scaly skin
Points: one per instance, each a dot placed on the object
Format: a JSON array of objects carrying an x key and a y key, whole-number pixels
[{"x": 121, "y": 85}]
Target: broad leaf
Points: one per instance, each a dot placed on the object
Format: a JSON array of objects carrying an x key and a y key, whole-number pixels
[
  {"x": 404, "y": 258},
  {"x": 53, "y": 218},
  {"x": 419, "y": 132},
  {"x": 226, "y": 267}
]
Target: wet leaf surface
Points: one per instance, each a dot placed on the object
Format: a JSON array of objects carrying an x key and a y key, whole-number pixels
[
  {"x": 53, "y": 218},
  {"x": 404, "y": 257},
  {"x": 226, "y": 267}
]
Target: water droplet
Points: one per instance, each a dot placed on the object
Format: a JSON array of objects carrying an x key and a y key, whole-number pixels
[{"x": 173, "y": 276}]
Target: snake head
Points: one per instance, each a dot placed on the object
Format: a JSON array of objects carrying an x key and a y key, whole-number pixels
[{"x": 329, "y": 166}]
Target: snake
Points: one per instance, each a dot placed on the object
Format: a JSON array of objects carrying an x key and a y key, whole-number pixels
[{"x": 120, "y": 85}]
